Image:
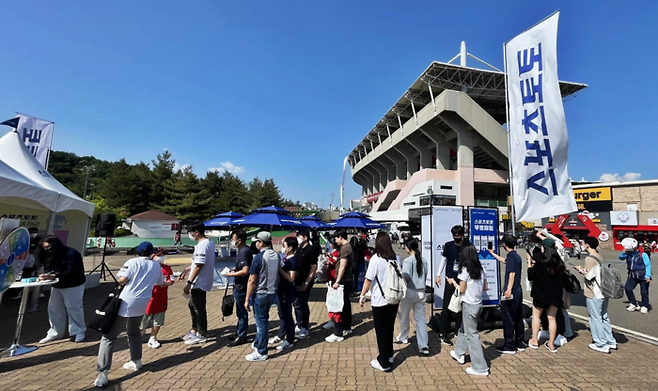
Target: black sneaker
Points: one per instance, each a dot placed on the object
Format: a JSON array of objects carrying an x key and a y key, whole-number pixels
[
  {"x": 505, "y": 350},
  {"x": 238, "y": 342},
  {"x": 521, "y": 346},
  {"x": 447, "y": 342}
]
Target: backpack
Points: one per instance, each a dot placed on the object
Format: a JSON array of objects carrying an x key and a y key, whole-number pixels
[
  {"x": 396, "y": 287},
  {"x": 611, "y": 285}
]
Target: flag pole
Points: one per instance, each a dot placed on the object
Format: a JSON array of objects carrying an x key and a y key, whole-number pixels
[
  {"x": 50, "y": 147},
  {"x": 509, "y": 144}
]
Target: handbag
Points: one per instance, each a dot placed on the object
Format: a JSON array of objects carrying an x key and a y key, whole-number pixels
[
  {"x": 335, "y": 298},
  {"x": 227, "y": 303},
  {"x": 574, "y": 284},
  {"x": 106, "y": 314},
  {"x": 455, "y": 302}
]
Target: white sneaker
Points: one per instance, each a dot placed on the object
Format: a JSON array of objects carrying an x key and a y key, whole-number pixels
[
  {"x": 644, "y": 310},
  {"x": 334, "y": 338},
  {"x": 602, "y": 349},
  {"x": 195, "y": 340},
  {"x": 189, "y": 335},
  {"x": 399, "y": 340},
  {"x": 285, "y": 345},
  {"x": 153, "y": 343},
  {"x": 632, "y": 308},
  {"x": 612, "y": 346},
  {"x": 255, "y": 356},
  {"x": 543, "y": 334},
  {"x": 471, "y": 371},
  {"x": 375, "y": 364},
  {"x": 297, "y": 330},
  {"x": 101, "y": 380},
  {"x": 560, "y": 340},
  {"x": 133, "y": 365},
  {"x": 274, "y": 340},
  {"x": 49, "y": 338},
  {"x": 329, "y": 325},
  {"x": 303, "y": 333},
  {"x": 460, "y": 359},
  {"x": 80, "y": 338}
]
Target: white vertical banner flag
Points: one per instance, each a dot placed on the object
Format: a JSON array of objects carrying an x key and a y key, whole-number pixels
[
  {"x": 537, "y": 127},
  {"x": 37, "y": 134}
]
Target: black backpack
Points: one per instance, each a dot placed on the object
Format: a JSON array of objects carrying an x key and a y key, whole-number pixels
[{"x": 106, "y": 314}]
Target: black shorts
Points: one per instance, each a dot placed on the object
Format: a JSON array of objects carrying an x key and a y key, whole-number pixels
[{"x": 540, "y": 305}]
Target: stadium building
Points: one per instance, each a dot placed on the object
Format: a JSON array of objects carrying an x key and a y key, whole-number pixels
[{"x": 442, "y": 143}]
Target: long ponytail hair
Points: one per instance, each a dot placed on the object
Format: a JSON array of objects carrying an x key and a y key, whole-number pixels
[{"x": 412, "y": 245}]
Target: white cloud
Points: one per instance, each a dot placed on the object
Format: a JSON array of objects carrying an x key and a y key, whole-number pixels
[
  {"x": 629, "y": 176},
  {"x": 179, "y": 167},
  {"x": 228, "y": 166}
]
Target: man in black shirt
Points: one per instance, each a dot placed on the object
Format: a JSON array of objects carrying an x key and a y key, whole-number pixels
[
  {"x": 451, "y": 252},
  {"x": 307, "y": 264},
  {"x": 240, "y": 276}
]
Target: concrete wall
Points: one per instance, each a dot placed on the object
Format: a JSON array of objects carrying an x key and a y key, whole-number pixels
[{"x": 645, "y": 197}]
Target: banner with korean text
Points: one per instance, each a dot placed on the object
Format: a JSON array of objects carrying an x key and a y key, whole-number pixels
[
  {"x": 37, "y": 134},
  {"x": 537, "y": 128}
]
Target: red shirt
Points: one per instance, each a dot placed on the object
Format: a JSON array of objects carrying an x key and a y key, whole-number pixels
[{"x": 158, "y": 301}]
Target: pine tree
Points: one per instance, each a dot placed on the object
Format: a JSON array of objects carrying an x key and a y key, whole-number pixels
[
  {"x": 271, "y": 194},
  {"x": 256, "y": 192},
  {"x": 185, "y": 198},
  {"x": 234, "y": 195},
  {"x": 163, "y": 169}
]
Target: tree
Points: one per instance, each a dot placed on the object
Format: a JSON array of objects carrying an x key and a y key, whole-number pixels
[
  {"x": 185, "y": 198},
  {"x": 234, "y": 195},
  {"x": 256, "y": 194},
  {"x": 215, "y": 184},
  {"x": 271, "y": 194},
  {"x": 163, "y": 169},
  {"x": 128, "y": 186}
]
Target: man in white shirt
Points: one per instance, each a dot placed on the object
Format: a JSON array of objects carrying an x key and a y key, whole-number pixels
[
  {"x": 199, "y": 283},
  {"x": 138, "y": 276}
]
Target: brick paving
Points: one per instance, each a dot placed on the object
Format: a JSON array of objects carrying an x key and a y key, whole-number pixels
[{"x": 313, "y": 364}]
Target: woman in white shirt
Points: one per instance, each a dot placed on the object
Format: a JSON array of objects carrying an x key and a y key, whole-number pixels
[
  {"x": 472, "y": 284},
  {"x": 414, "y": 271},
  {"x": 383, "y": 314}
]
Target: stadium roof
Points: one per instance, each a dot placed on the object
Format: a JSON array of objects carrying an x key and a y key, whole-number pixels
[{"x": 485, "y": 87}]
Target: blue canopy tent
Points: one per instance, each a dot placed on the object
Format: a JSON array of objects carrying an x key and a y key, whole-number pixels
[
  {"x": 269, "y": 217},
  {"x": 223, "y": 220},
  {"x": 312, "y": 222},
  {"x": 356, "y": 220}
]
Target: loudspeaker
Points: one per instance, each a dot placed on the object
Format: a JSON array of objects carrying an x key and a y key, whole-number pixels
[{"x": 105, "y": 224}]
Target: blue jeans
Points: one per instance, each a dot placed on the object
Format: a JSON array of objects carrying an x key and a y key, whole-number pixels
[
  {"x": 241, "y": 313},
  {"x": 262, "y": 306},
  {"x": 631, "y": 283},
  {"x": 599, "y": 323},
  {"x": 302, "y": 312},
  {"x": 286, "y": 323},
  {"x": 469, "y": 338}
]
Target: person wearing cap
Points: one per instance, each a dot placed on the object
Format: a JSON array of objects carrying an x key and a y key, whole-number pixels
[
  {"x": 155, "y": 311},
  {"x": 638, "y": 266},
  {"x": 199, "y": 277},
  {"x": 64, "y": 264},
  {"x": 307, "y": 265},
  {"x": 263, "y": 283},
  {"x": 138, "y": 276}
]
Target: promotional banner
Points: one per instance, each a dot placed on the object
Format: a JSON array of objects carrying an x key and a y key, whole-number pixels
[
  {"x": 484, "y": 236},
  {"x": 443, "y": 219},
  {"x": 37, "y": 134},
  {"x": 537, "y": 127}
]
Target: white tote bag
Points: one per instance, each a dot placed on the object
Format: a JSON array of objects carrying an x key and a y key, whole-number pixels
[
  {"x": 455, "y": 302},
  {"x": 334, "y": 298}
]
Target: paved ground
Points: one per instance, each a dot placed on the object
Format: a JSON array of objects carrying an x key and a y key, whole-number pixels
[{"x": 313, "y": 364}]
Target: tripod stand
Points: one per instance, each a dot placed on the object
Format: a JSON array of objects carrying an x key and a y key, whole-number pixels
[{"x": 103, "y": 266}]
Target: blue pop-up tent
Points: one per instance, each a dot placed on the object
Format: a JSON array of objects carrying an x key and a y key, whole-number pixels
[
  {"x": 223, "y": 220},
  {"x": 269, "y": 217},
  {"x": 355, "y": 220}
]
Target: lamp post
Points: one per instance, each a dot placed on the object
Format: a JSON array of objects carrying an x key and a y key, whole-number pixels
[{"x": 87, "y": 169}]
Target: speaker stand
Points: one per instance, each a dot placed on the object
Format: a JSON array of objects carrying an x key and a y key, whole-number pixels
[{"x": 103, "y": 266}]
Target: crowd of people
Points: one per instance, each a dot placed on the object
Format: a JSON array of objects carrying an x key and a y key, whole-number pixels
[{"x": 263, "y": 276}]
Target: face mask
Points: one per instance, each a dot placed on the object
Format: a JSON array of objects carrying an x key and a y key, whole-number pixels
[
  {"x": 233, "y": 243},
  {"x": 300, "y": 240},
  {"x": 160, "y": 259},
  {"x": 191, "y": 236},
  {"x": 284, "y": 250},
  {"x": 32, "y": 236}
]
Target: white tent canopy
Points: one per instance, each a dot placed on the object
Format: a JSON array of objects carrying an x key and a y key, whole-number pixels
[
  {"x": 18, "y": 190},
  {"x": 14, "y": 154}
]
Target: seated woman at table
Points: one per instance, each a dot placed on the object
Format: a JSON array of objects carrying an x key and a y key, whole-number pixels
[{"x": 65, "y": 264}]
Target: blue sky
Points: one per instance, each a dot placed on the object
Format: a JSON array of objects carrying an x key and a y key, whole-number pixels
[{"x": 286, "y": 89}]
